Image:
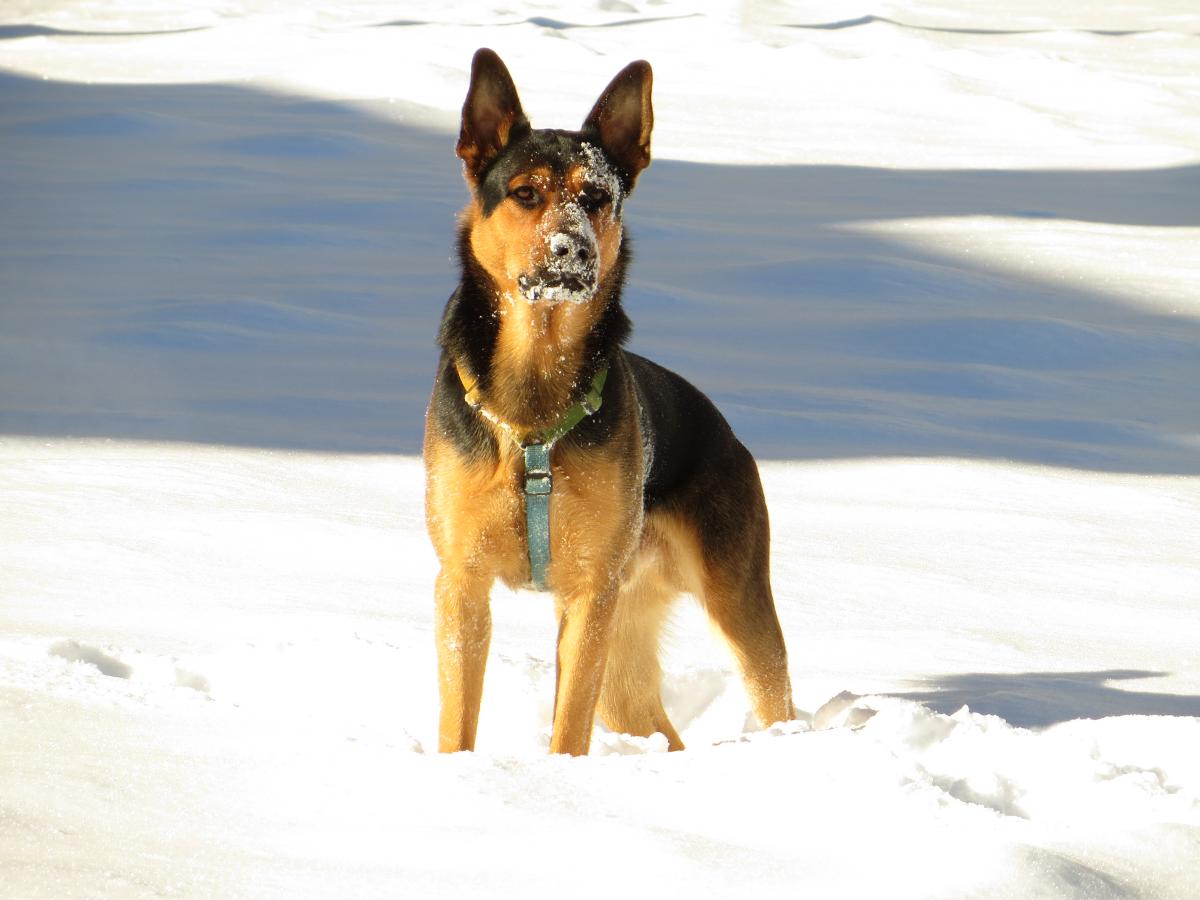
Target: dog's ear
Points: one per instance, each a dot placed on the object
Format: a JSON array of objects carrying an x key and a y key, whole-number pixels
[
  {"x": 623, "y": 118},
  {"x": 491, "y": 115}
]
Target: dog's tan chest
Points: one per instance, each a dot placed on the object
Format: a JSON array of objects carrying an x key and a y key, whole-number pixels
[{"x": 476, "y": 515}]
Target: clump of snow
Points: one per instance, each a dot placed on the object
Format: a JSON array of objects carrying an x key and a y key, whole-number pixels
[
  {"x": 73, "y": 651},
  {"x": 567, "y": 268},
  {"x": 601, "y": 174}
]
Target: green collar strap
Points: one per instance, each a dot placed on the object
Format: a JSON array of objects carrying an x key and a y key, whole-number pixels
[{"x": 588, "y": 405}]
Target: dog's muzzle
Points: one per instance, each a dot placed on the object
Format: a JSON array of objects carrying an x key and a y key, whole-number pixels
[{"x": 569, "y": 272}]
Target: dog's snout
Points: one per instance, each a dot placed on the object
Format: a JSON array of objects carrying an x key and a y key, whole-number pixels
[{"x": 572, "y": 248}]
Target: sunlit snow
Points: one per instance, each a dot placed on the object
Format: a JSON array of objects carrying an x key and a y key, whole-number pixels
[{"x": 936, "y": 262}]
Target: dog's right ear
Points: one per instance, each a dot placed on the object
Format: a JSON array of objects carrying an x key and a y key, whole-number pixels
[{"x": 491, "y": 115}]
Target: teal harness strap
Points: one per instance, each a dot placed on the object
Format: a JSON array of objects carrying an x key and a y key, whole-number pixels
[
  {"x": 537, "y": 511},
  {"x": 538, "y": 481}
]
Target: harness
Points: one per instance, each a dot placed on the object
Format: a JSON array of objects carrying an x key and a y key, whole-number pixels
[{"x": 535, "y": 449}]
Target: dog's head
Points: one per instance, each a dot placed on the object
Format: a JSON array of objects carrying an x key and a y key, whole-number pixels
[{"x": 545, "y": 221}]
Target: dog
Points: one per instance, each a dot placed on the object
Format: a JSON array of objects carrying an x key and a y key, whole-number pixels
[{"x": 557, "y": 460}]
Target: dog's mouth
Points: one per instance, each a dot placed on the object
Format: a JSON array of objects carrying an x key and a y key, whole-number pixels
[{"x": 555, "y": 287}]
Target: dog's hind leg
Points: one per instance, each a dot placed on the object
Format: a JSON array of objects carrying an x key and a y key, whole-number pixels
[
  {"x": 736, "y": 593},
  {"x": 463, "y": 625},
  {"x": 631, "y": 700},
  {"x": 745, "y": 616}
]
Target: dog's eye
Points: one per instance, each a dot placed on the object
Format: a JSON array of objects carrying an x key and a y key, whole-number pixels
[
  {"x": 525, "y": 195},
  {"x": 594, "y": 198}
]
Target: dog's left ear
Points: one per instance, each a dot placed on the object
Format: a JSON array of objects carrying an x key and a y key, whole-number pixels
[
  {"x": 491, "y": 115},
  {"x": 623, "y": 117}
]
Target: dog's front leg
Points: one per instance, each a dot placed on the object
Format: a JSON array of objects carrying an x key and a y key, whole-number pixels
[
  {"x": 584, "y": 630},
  {"x": 464, "y": 629}
]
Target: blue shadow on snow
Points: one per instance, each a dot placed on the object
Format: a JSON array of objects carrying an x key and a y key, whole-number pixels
[{"x": 218, "y": 264}]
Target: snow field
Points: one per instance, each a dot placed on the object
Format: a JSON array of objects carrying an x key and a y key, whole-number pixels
[
  {"x": 285, "y": 703},
  {"x": 934, "y": 261}
]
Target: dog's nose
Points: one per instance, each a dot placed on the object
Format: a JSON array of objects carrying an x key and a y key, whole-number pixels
[{"x": 572, "y": 248}]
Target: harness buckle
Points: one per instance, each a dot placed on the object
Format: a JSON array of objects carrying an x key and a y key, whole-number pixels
[
  {"x": 537, "y": 484},
  {"x": 537, "y": 469}
]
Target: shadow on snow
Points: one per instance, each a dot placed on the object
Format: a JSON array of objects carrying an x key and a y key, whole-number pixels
[
  {"x": 1035, "y": 699},
  {"x": 842, "y": 24},
  {"x": 217, "y": 264}
]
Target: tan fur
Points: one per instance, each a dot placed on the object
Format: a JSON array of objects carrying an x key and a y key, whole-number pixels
[
  {"x": 509, "y": 240},
  {"x": 476, "y": 521},
  {"x": 476, "y": 511},
  {"x": 670, "y": 562},
  {"x": 614, "y": 578}
]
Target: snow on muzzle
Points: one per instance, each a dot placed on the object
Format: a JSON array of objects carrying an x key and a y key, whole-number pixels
[{"x": 568, "y": 270}]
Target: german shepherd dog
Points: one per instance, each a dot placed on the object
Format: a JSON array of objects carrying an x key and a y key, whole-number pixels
[{"x": 652, "y": 495}]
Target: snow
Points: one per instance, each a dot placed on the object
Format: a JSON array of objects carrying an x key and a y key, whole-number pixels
[{"x": 935, "y": 261}]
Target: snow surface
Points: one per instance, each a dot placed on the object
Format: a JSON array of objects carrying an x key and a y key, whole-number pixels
[{"x": 937, "y": 263}]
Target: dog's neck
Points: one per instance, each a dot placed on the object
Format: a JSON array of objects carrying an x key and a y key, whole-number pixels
[
  {"x": 532, "y": 361},
  {"x": 541, "y": 357}
]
